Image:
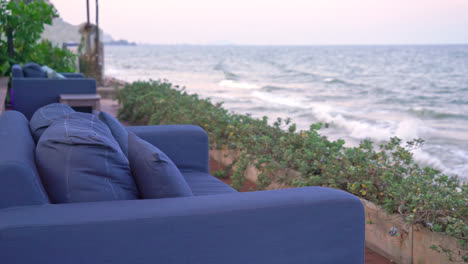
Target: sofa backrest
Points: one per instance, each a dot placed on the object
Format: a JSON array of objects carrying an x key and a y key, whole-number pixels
[{"x": 19, "y": 179}]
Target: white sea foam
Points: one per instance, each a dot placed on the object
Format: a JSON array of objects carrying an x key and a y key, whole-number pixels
[
  {"x": 239, "y": 85},
  {"x": 281, "y": 100},
  {"x": 426, "y": 159}
]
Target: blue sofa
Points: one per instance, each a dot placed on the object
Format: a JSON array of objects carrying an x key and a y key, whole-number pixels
[
  {"x": 216, "y": 225},
  {"x": 30, "y": 93}
]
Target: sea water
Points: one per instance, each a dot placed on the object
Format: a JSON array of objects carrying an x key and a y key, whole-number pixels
[{"x": 373, "y": 92}]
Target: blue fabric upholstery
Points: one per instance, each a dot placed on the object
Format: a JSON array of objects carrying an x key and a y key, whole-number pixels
[
  {"x": 300, "y": 226},
  {"x": 72, "y": 75},
  {"x": 33, "y": 93},
  {"x": 303, "y": 225},
  {"x": 204, "y": 184},
  {"x": 185, "y": 145},
  {"x": 34, "y": 70},
  {"x": 80, "y": 161},
  {"x": 45, "y": 116},
  {"x": 51, "y": 73},
  {"x": 29, "y": 94},
  {"x": 118, "y": 131},
  {"x": 19, "y": 181},
  {"x": 155, "y": 174},
  {"x": 17, "y": 71}
]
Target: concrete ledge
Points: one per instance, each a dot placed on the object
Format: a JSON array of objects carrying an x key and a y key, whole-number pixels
[
  {"x": 378, "y": 224},
  {"x": 106, "y": 92}
]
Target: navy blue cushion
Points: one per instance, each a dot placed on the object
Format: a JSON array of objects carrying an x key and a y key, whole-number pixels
[
  {"x": 17, "y": 71},
  {"x": 155, "y": 174},
  {"x": 33, "y": 70},
  {"x": 118, "y": 131},
  {"x": 202, "y": 183},
  {"x": 79, "y": 161},
  {"x": 45, "y": 116}
]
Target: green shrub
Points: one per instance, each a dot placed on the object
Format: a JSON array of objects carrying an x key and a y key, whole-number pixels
[
  {"x": 386, "y": 175},
  {"x": 61, "y": 60},
  {"x": 26, "y": 23}
]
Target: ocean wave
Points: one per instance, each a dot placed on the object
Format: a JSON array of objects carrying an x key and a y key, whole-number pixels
[
  {"x": 238, "y": 85},
  {"x": 281, "y": 100},
  {"x": 459, "y": 101},
  {"x": 230, "y": 76},
  {"x": 424, "y": 158},
  {"x": 431, "y": 114},
  {"x": 407, "y": 130},
  {"x": 271, "y": 88},
  {"x": 288, "y": 73},
  {"x": 331, "y": 80},
  {"x": 227, "y": 74},
  {"x": 334, "y": 80},
  {"x": 218, "y": 67}
]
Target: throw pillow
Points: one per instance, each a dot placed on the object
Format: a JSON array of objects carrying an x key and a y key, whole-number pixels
[
  {"x": 33, "y": 70},
  {"x": 45, "y": 116},
  {"x": 79, "y": 161},
  {"x": 51, "y": 73},
  {"x": 155, "y": 174},
  {"x": 118, "y": 131}
]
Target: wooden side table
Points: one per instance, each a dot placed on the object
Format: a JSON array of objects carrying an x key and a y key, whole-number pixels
[{"x": 91, "y": 100}]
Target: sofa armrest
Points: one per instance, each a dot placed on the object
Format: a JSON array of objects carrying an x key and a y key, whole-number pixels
[
  {"x": 303, "y": 225},
  {"x": 72, "y": 75},
  {"x": 20, "y": 181},
  {"x": 186, "y": 145},
  {"x": 17, "y": 71},
  {"x": 33, "y": 93}
]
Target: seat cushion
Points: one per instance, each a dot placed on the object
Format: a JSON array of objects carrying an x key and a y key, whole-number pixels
[
  {"x": 45, "y": 116},
  {"x": 118, "y": 131},
  {"x": 79, "y": 161},
  {"x": 205, "y": 184},
  {"x": 154, "y": 172},
  {"x": 33, "y": 70}
]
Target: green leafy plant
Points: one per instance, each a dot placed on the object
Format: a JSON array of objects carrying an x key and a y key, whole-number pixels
[
  {"x": 61, "y": 60},
  {"x": 386, "y": 174},
  {"x": 23, "y": 24}
]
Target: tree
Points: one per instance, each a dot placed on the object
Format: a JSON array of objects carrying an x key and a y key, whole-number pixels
[
  {"x": 21, "y": 26},
  {"x": 26, "y": 23}
]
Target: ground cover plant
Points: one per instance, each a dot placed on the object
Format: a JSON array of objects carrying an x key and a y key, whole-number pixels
[{"x": 386, "y": 174}]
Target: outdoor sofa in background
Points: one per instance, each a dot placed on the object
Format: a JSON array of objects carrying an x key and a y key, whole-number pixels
[
  {"x": 31, "y": 90},
  {"x": 217, "y": 225}
]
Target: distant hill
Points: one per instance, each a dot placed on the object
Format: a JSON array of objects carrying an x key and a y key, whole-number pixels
[
  {"x": 61, "y": 31},
  {"x": 120, "y": 42}
]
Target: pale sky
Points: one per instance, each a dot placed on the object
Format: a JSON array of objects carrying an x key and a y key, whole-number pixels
[{"x": 277, "y": 22}]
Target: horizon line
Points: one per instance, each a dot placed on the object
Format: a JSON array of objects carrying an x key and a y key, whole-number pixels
[{"x": 300, "y": 45}]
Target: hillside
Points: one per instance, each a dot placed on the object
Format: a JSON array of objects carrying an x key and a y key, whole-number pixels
[{"x": 61, "y": 31}]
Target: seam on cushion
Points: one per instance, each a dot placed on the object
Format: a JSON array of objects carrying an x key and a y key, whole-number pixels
[
  {"x": 92, "y": 122},
  {"x": 107, "y": 175},
  {"x": 43, "y": 115},
  {"x": 63, "y": 109},
  {"x": 68, "y": 172},
  {"x": 65, "y": 124}
]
